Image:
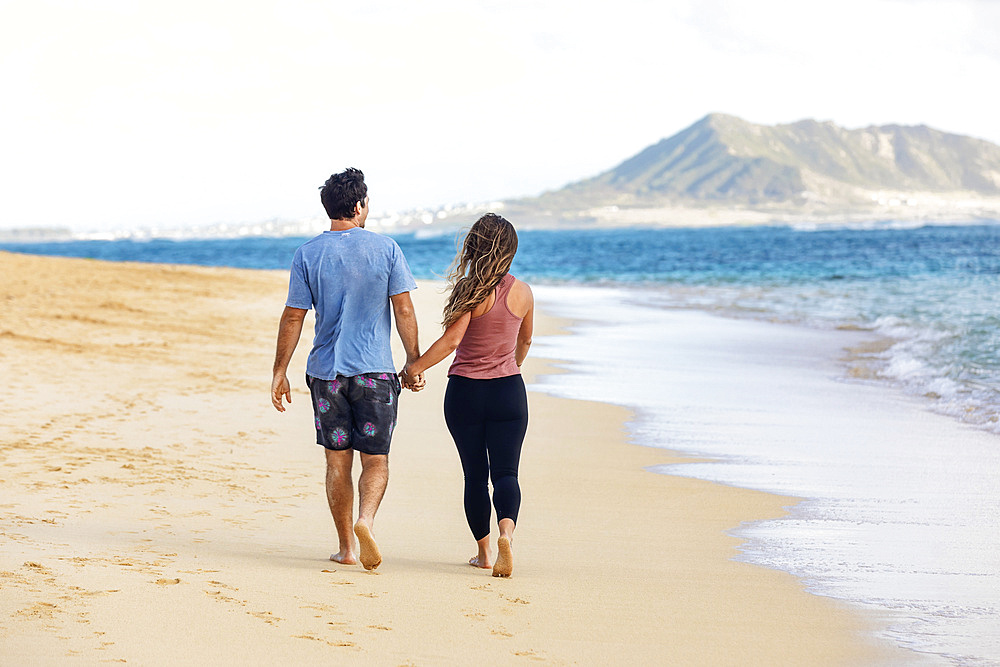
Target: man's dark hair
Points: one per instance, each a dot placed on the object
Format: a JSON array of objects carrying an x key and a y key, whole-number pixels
[{"x": 342, "y": 191}]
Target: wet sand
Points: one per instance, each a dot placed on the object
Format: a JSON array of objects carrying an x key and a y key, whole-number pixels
[{"x": 156, "y": 509}]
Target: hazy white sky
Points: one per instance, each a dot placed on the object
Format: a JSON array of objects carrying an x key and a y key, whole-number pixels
[{"x": 121, "y": 113}]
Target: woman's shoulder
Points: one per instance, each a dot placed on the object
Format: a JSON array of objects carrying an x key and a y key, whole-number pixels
[
  {"x": 519, "y": 285},
  {"x": 519, "y": 298}
]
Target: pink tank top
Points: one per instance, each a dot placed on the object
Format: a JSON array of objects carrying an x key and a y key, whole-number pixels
[{"x": 487, "y": 349}]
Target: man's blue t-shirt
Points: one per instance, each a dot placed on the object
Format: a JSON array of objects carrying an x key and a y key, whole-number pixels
[{"x": 348, "y": 277}]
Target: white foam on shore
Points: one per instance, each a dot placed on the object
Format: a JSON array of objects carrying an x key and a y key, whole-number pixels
[{"x": 902, "y": 505}]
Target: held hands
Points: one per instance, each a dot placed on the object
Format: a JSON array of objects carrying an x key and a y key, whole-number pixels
[
  {"x": 413, "y": 382},
  {"x": 280, "y": 387}
]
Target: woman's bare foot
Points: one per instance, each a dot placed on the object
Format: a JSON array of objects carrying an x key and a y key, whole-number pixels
[
  {"x": 370, "y": 555},
  {"x": 505, "y": 559},
  {"x": 345, "y": 557},
  {"x": 481, "y": 561},
  {"x": 483, "y": 558}
]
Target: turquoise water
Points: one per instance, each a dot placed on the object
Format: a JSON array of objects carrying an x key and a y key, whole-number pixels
[{"x": 930, "y": 289}]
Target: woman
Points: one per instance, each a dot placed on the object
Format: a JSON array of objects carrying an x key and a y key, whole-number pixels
[{"x": 488, "y": 322}]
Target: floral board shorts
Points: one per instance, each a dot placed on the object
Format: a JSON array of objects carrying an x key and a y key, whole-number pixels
[{"x": 357, "y": 412}]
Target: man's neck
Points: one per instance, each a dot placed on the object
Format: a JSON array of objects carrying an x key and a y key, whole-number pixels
[{"x": 342, "y": 225}]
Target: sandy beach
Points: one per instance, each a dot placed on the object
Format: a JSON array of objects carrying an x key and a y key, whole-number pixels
[{"x": 155, "y": 509}]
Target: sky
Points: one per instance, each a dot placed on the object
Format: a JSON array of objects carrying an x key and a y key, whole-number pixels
[{"x": 120, "y": 114}]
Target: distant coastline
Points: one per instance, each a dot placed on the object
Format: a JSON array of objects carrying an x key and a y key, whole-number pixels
[{"x": 889, "y": 211}]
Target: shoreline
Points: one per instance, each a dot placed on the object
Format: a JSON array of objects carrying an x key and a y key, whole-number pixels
[
  {"x": 884, "y": 480},
  {"x": 160, "y": 511}
]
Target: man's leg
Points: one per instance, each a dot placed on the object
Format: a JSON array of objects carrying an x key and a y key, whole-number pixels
[
  {"x": 340, "y": 496},
  {"x": 371, "y": 487}
]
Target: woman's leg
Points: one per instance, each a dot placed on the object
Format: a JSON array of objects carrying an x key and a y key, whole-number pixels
[
  {"x": 505, "y": 429},
  {"x": 463, "y": 412}
]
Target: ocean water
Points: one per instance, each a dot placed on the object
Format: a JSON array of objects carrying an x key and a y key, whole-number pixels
[
  {"x": 930, "y": 291},
  {"x": 918, "y": 304}
]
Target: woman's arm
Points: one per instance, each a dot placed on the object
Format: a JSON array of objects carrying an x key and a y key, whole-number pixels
[
  {"x": 443, "y": 346},
  {"x": 524, "y": 333}
]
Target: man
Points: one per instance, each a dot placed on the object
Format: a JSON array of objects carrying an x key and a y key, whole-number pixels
[{"x": 350, "y": 276}]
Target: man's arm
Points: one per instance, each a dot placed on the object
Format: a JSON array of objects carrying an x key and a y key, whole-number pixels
[
  {"x": 289, "y": 331},
  {"x": 406, "y": 325}
]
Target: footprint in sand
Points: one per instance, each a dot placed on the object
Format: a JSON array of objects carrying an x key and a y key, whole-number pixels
[
  {"x": 319, "y": 639},
  {"x": 40, "y": 610},
  {"x": 265, "y": 616},
  {"x": 81, "y": 591},
  {"x": 528, "y": 654},
  {"x": 168, "y": 582}
]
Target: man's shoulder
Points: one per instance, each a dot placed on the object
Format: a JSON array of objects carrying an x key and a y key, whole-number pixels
[
  {"x": 378, "y": 239},
  {"x": 362, "y": 238},
  {"x": 311, "y": 243},
  {"x": 381, "y": 244}
]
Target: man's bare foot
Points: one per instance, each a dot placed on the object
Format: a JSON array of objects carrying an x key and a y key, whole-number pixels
[
  {"x": 344, "y": 557},
  {"x": 370, "y": 555},
  {"x": 481, "y": 561},
  {"x": 505, "y": 559}
]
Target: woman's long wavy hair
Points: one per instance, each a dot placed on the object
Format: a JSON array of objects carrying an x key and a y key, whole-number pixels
[{"x": 484, "y": 259}]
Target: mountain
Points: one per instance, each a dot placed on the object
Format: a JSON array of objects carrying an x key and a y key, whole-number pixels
[{"x": 808, "y": 167}]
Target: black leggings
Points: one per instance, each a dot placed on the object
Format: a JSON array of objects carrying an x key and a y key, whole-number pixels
[{"x": 488, "y": 420}]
